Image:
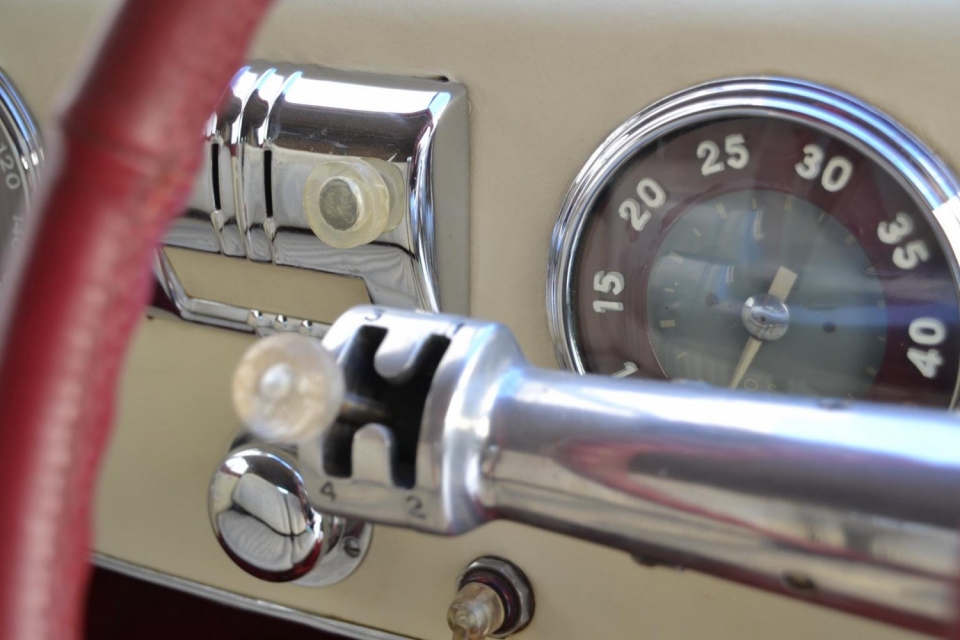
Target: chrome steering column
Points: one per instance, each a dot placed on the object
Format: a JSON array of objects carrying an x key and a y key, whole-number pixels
[{"x": 442, "y": 426}]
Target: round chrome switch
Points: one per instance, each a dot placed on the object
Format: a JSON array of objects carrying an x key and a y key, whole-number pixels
[
  {"x": 765, "y": 317},
  {"x": 264, "y": 521}
]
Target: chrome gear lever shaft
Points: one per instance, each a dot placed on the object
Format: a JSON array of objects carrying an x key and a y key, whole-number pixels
[{"x": 852, "y": 506}]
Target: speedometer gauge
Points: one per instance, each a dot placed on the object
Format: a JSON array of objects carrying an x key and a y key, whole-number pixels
[{"x": 763, "y": 234}]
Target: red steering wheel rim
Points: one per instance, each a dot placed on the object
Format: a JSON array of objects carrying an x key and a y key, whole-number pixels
[{"x": 129, "y": 147}]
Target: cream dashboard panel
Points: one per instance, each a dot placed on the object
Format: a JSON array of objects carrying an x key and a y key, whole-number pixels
[{"x": 547, "y": 82}]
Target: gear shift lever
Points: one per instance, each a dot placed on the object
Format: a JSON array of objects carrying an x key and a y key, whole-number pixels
[{"x": 848, "y": 505}]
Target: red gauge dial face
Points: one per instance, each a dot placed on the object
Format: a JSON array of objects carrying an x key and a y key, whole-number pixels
[{"x": 765, "y": 254}]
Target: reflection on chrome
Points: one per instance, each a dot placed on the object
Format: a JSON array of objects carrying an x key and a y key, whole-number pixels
[
  {"x": 847, "y": 505},
  {"x": 355, "y": 97},
  {"x": 266, "y": 526}
]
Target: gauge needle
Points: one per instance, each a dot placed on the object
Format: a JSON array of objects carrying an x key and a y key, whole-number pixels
[{"x": 780, "y": 287}]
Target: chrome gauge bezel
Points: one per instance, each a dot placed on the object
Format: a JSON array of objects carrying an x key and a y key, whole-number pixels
[
  {"x": 25, "y": 135},
  {"x": 921, "y": 173},
  {"x": 26, "y": 155}
]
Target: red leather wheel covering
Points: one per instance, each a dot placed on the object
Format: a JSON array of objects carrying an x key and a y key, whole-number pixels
[{"x": 129, "y": 147}]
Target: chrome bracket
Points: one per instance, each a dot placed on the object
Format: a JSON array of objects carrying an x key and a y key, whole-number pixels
[{"x": 275, "y": 127}]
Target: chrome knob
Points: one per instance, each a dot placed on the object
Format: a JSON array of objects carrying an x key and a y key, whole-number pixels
[{"x": 263, "y": 519}]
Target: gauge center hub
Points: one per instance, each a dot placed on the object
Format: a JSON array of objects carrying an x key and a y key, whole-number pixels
[{"x": 765, "y": 316}]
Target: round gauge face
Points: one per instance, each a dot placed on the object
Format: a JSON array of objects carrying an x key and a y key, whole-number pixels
[{"x": 768, "y": 254}]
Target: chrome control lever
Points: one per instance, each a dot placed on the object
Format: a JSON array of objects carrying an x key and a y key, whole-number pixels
[{"x": 849, "y": 505}]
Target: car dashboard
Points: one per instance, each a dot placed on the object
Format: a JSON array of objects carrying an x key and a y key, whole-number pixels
[{"x": 562, "y": 135}]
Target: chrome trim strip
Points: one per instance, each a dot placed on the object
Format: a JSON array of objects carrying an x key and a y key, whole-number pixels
[
  {"x": 868, "y": 130},
  {"x": 245, "y": 603}
]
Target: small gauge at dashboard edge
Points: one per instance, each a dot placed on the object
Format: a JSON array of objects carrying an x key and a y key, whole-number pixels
[
  {"x": 762, "y": 234},
  {"x": 20, "y": 158}
]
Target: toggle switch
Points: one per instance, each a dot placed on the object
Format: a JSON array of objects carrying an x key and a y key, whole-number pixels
[{"x": 494, "y": 600}]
